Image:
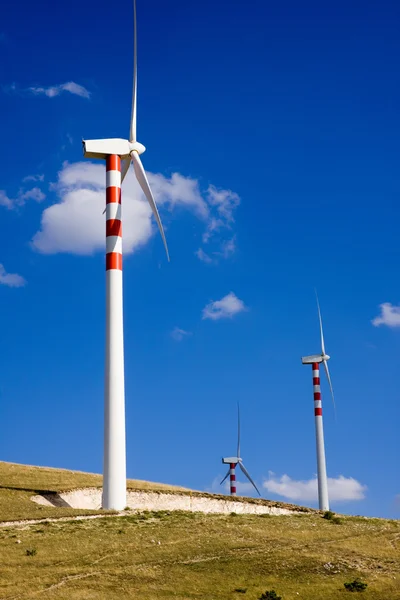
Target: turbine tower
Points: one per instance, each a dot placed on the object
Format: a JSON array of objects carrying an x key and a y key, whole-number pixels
[
  {"x": 315, "y": 360},
  {"x": 112, "y": 151},
  {"x": 232, "y": 461}
]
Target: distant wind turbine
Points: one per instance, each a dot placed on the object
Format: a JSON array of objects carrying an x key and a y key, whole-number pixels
[
  {"x": 315, "y": 360},
  {"x": 112, "y": 151},
  {"x": 232, "y": 461}
]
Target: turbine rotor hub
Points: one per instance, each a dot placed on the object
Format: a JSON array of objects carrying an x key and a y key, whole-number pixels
[{"x": 137, "y": 147}]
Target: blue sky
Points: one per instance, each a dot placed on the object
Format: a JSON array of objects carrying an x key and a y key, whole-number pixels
[{"x": 282, "y": 125}]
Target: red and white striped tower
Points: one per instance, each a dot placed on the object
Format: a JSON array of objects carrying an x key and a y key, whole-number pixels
[
  {"x": 114, "y": 473},
  {"x": 319, "y": 431},
  {"x": 232, "y": 478},
  {"x": 112, "y": 150}
]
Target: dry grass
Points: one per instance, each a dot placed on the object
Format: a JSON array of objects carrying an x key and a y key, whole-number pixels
[
  {"x": 191, "y": 556},
  {"x": 19, "y": 482},
  {"x": 184, "y": 556}
]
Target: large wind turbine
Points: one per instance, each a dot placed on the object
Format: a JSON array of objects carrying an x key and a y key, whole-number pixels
[
  {"x": 112, "y": 151},
  {"x": 232, "y": 461},
  {"x": 315, "y": 360}
]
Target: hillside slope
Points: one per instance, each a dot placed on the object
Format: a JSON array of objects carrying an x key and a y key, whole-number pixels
[
  {"x": 19, "y": 482},
  {"x": 154, "y": 555}
]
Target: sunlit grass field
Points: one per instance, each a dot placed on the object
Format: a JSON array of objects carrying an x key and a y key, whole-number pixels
[{"x": 157, "y": 555}]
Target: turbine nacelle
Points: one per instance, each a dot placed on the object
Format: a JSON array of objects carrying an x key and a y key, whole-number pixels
[
  {"x": 231, "y": 460},
  {"x": 100, "y": 149},
  {"x": 314, "y": 358}
]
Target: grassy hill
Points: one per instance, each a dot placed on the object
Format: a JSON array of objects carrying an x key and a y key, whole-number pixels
[
  {"x": 19, "y": 482},
  {"x": 186, "y": 556}
]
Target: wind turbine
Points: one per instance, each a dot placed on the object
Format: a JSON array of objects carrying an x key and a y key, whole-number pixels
[
  {"x": 232, "y": 461},
  {"x": 315, "y": 360},
  {"x": 112, "y": 151}
]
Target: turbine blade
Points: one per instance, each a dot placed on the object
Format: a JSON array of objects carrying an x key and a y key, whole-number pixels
[
  {"x": 144, "y": 184},
  {"x": 330, "y": 384},
  {"x": 226, "y": 476},
  {"x": 320, "y": 325},
  {"x": 132, "y": 134},
  {"x": 125, "y": 168},
  {"x": 238, "y": 444},
  {"x": 248, "y": 477}
]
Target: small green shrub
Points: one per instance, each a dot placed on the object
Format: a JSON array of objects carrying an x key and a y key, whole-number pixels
[
  {"x": 355, "y": 586},
  {"x": 270, "y": 595},
  {"x": 31, "y": 552},
  {"x": 330, "y": 516},
  {"x": 241, "y": 590}
]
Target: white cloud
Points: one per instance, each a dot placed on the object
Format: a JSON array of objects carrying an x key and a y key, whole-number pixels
[
  {"x": 56, "y": 90},
  {"x": 222, "y": 205},
  {"x": 228, "y": 248},
  {"x": 11, "y": 279},
  {"x": 5, "y": 200},
  {"x": 340, "y": 488},
  {"x": 75, "y": 224},
  {"x": 213, "y": 226},
  {"x": 178, "y": 190},
  {"x": 390, "y": 315},
  {"x": 225, "y": 202},
  {"x": 33, "y": 194},
  {"x": 203, "y": 256},
  {"x": 34, "y": 178},
  {"x": 178, "y": 334},
  {"x": 22, "y": 196},
  {"x": 226, "y": 308}
]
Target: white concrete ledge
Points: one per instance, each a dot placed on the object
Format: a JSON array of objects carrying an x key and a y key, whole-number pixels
[{"x": 90, "y": 499}]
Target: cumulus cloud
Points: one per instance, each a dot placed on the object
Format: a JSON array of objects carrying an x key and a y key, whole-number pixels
[
  {"x": 35, "y": 194},
  {"x": 178, "y": 334},
  {"x": 228, "y": 248},
  {"x": 179, "y": 190},
  {"x": 11, "y": 279},
  {"x": 75, "y": 224},
  {"x": 340, "y": 488},
  {"x": 222, "y": 205},
  {"x": 203, "y": 256},
  {"x": 5, "y": 200},
  {"x": 225, "y": 202},
  {"x": 390, "y": 316},
  {"x": 55, "y": 90},
  {"x": 226, "y": 308},
  {"x": 50, "y": 91},
  {"x": 34, "y": 178}
]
